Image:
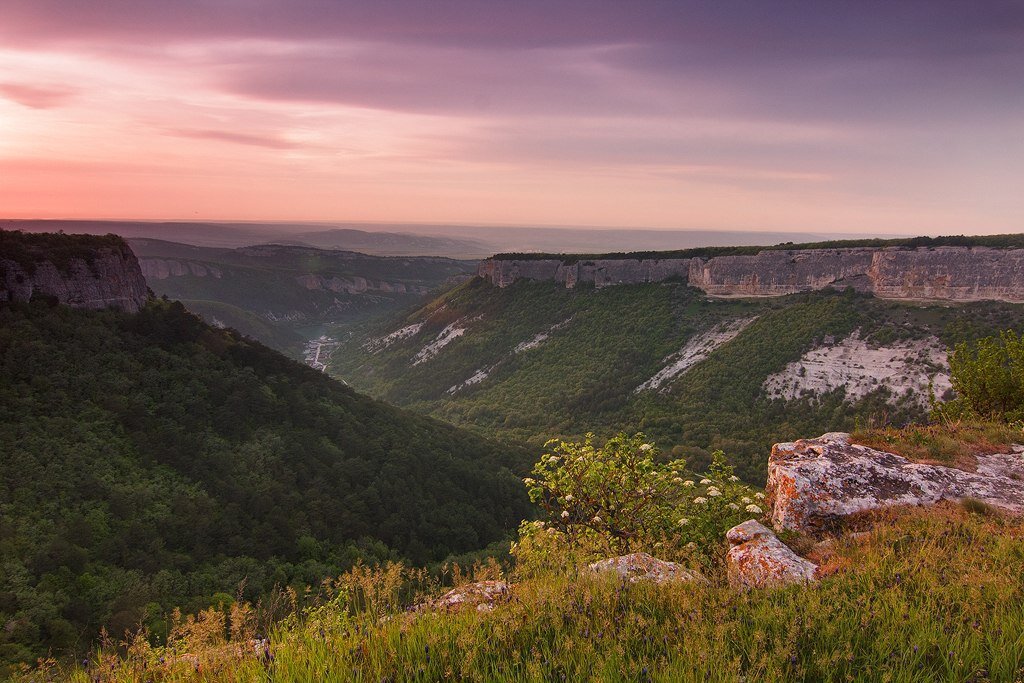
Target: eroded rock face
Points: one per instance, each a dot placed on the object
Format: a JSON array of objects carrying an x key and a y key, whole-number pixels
[
  {"x": 643, "y": 567},
  {"x": 757, "y": 559},
  {"x": 815, "y": 482},
  {"x": 482, "y": 595},
  {"x": 111, "y": 278},
  {"x": 925, "y": 273}
]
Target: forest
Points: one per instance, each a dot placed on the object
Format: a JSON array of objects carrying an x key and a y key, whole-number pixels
[{"x": 151, "y": 461}]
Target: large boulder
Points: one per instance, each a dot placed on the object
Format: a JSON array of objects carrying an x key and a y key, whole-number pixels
[
  {"x": 643, "y": 567},
  {"x": 815, "y": 482},
  {"x": 757, "y": 559}
]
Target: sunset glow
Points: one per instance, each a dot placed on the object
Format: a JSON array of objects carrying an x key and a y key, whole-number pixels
[{"x": 673, "y": 115}]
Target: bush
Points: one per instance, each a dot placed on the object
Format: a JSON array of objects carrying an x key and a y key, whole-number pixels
[
  {"x": 619, "y": 499},
  {"x": 988, "y": 378}
]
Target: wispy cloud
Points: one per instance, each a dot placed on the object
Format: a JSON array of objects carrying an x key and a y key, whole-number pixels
[
  {"x": 37, "y": 96},
  {"x": 267, "y": 141}
]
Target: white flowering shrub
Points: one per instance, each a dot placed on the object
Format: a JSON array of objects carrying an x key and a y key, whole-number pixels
[{"x": 618, "y": 498}]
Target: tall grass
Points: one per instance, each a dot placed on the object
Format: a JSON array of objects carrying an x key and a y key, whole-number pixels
[
  {"x": 954, "y": 444},
  {"x": 930, "y": 595}
]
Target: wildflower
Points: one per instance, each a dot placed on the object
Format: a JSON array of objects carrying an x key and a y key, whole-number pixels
[
  {"x": 677, "y": 480},
  {"x": 705, "y": 482},
  {"x": 753, "y": 509},
  {"x": 734, "y": 478},
  {"x": 529, "y": 482},
  {"x": 540, "y": 525},
  {"x": 733, "y": 506},
  {"x": 683, "y": 521},
  {"x": 646, "y": 447},
  {"x": 568, "y": 498},
  {"x": 565, "y": 514},
  {"x": 759, "y": 495},
  {"x": 555, "y": 458},
  {"x": 688, "y": 483},
  {"x": 745, "y": 500},
  {"x": 714, "y": 492},
  {"x": 700, "y": 500}
]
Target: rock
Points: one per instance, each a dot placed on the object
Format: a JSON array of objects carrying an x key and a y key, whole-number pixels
[
  {"x": 642, "y": 567},
  {"x": 924, "y": 273},
  {"x": 483, "y": 595},
  {"x": 815, "y": 482},
  {"x": 757, "y": 559},
  {"x": 101, "y": 276}
]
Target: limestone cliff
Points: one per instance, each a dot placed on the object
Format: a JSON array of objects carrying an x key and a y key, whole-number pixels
[
  {"x": 78, "y": 270},
  {"x": 952, "y": 273}
]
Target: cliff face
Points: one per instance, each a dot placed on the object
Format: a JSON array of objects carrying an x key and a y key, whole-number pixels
[
  {"x": 161, "y": 269},
  {"x": 88, "y": 276},
  {"x": 930, "y": 273}
]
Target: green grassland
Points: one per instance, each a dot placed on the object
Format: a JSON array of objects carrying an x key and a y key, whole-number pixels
[
  {"x": 582, "y": 378},
  {"x": 929, "y": 595}
]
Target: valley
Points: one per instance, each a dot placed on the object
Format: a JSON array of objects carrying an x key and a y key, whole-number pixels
[
  {"x": 277, "y": 293},
  {"x": 534, "y": 360}
]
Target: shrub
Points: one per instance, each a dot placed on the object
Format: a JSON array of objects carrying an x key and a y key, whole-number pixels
[
  {"x": 988, "y": 378},
  {"x": 619, "y": 499}
]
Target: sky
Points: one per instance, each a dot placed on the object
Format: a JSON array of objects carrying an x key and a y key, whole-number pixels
[{"x": 891, "y": 116}]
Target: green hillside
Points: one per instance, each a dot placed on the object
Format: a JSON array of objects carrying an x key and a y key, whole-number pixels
[
  {"x": 603, "y": 344},
  {"x": 278, "y": 293},
  {"x": 150, "y": 461}
]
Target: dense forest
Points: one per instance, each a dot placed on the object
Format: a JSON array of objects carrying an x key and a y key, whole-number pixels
[
  {"x": 602, "y": 344},
  {"x": 150, "y": 462}
]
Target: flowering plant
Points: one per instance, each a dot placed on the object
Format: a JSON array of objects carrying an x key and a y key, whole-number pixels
[{"x": 618, "y": 498}]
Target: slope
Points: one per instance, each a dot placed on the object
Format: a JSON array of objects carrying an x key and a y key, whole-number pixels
[
  {"x": 151, "y": 461},
  {"x": 535, "y": 361}
]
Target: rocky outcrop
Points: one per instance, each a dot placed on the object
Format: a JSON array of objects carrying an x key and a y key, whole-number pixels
[
  {"x": 161, "y": 269},
  {"x": 643, "y": 567},
  {"x": 88, "y": 276},
  {"x": 813, "y": 483},
  {"x": 598, "y": 272},
  {"x": 757, "y": 559},
  {"x": 356, "y": 284},
  {"x": 922, "y": 273},
  {"x": 776, "y": 273},
  {"x": 482, "y": 595}
]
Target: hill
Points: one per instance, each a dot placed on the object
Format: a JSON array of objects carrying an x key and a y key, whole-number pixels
[
  {"x": 284, "y": 295},
  {"x": 151, "y": 461},
  {"x": 535, "y": 360}
]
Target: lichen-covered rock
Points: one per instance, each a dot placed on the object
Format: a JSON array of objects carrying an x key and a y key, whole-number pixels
[
  {"x": 483, "y": 595},
  {"x": 814, "y": 482},
  {"x": 643, "y": 567},
  {"x": 757, "y": 559}
]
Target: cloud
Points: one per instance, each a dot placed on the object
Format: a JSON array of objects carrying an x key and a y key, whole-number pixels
[
  {"x": 267, "y": 141},
  {"x": 37, "y": 96}
]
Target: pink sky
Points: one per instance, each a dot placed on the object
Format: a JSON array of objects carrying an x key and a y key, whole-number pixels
[{"x": 669, "y": 115}]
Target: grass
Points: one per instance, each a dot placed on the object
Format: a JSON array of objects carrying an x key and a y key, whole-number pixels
[
  {"x": 928, "y": 595},
  {"x": 954, "y": 444}
]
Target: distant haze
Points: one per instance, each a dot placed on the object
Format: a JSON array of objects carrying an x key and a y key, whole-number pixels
[
  {"x": 458, "y": 241},
  {"x": 804, "y": 117}
]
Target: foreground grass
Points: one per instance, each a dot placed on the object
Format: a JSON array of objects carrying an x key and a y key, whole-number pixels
[
  {"x": 954, "y": 444},
  {"x": 928, "y": 595}
]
